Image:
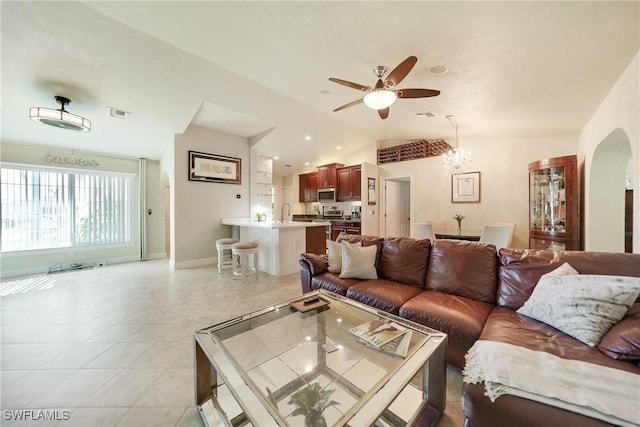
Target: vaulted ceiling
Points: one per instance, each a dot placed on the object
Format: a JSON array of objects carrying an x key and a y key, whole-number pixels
[{"x": 261, "y": 69}]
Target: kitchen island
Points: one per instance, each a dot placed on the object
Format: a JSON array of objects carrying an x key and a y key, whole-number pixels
[{"x": 280, "y": 243}]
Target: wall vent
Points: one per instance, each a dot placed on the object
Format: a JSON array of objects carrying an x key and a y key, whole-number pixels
[{"x": 119, "y": 114}]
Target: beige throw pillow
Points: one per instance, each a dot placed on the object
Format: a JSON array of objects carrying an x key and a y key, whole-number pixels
[
  {"x": 334, "y": 252},
  {"x": 582, "y": 306},
  {"x": 358, "y": 262}
]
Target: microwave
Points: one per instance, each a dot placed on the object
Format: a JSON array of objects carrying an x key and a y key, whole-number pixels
[{"x": 327, "y": 195}]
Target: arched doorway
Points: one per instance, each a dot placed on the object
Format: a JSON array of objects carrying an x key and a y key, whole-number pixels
[{"x": 609, "y": 170}]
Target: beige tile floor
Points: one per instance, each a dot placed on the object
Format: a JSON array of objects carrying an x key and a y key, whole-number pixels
[{"x": 113, "y": 345}]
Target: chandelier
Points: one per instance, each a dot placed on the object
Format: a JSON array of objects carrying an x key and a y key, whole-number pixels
[
  {"x": 457, "y": 159},
  {"x": 60, "y": 118}
]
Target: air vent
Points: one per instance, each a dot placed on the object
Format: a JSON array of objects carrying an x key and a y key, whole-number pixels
[
  {"x": 426, "y": 114},
  {"x": 119, "y": 114}
]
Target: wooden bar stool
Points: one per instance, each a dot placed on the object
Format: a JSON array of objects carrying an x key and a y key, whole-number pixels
[
  {"x": 221, "y": 246},
  {"x": 242, "y": 265}
]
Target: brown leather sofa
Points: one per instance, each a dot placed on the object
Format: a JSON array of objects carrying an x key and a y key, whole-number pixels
[{"x": 469, "y": 292}]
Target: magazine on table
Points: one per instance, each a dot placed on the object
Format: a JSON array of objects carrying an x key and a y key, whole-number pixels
[{"x": 378, "y": 332}]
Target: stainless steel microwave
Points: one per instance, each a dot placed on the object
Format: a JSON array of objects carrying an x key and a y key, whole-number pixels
[{"x": 327, "y": 195}]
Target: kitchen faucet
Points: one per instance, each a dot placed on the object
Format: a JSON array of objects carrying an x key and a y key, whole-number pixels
[{"x": 282, "y": 211}]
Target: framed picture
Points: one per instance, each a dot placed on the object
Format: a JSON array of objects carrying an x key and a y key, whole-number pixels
[
  {"x": 214, "y": 168},
  {"x": 465, "y": 188},
  {"x": 371, "y": 184}
]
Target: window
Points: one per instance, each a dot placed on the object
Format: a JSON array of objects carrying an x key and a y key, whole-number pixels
[{"x": 45, "y": 208}]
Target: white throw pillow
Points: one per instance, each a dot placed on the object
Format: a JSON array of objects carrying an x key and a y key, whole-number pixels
[
  {"x": 334, "y": 252},
  {"x": 358, "y": 262},
  {"x": 582, "y": 306},
  {"x": 564, "y": 270}
]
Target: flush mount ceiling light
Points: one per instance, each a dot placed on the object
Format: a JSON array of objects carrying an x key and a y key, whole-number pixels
[{"x": 60, "y": 118}]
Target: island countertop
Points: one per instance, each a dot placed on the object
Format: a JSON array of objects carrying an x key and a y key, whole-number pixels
[{"x": 245, "y": 222}]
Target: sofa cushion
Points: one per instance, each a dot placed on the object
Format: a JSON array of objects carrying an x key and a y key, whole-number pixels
[
  {"x": 358, "y": 262},
  {"x": 463, "y": 268},
  {"x": 460, "y": 317},
  {"x": 582, "y": 306},
  {"x": 332, "y": 283},
  {"x": 504, "y": 324},
  {"x": 622, "y": 342},
  {"x": 520, "y": 269},
  {"x": 404, "y": 260},
  {"x": 383, "y": 294}
]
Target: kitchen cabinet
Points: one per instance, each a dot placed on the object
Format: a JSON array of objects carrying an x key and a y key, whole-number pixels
[
  {"x": 349, "y": 186},
  {"x": 554, "y": 200},
  {"x": 327, "y": 175},
  {"x": 349, "y": 227},
  {"x": 308, "y": 189}
]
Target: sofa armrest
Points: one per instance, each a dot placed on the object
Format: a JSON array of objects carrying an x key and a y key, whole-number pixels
[{"x": 311, "y": 265}]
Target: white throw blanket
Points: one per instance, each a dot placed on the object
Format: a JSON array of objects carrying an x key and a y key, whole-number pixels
[{"x": 597, "y": 391}]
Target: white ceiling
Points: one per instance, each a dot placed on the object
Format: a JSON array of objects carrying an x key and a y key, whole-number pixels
[{"x": 260, "y": 68}]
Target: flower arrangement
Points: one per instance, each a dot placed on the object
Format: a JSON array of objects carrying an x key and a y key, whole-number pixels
[
  {"x": 311, "y": 402},
  {"x": 459, "y": 218}
]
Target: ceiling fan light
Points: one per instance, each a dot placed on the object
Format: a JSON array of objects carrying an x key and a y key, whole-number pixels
[
  {"x": 380, "y": 99},
  {"x": 60, "y": 118}
]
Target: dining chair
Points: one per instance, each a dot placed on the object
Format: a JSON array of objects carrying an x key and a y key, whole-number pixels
[
  {"x": 423, "y": 231},
  {"x": 499, "y": 235}
]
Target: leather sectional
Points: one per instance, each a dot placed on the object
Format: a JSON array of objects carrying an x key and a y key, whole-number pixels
[{"x": 468, "y": 291}]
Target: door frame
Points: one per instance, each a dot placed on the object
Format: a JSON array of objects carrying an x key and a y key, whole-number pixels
[{"x": 383, "y": 202}]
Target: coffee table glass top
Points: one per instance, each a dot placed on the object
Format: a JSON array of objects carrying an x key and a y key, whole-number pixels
[{"x": 279, "y": 352}]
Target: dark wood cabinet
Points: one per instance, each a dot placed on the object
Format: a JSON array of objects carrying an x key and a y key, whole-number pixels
[
  {"x": 554, "y": 200},
  {"x": 327, "y": 175},
  {"x": 349, "y": 186},
  {"x": 349, "y": 227},
  {"x": 308, "y": 189},
  {"x": 316, "y": 240}
]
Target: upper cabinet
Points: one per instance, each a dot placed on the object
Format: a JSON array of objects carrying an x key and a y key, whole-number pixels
[
  {"x": 349, "y": 185},
  {"x": 308, "y": 189},
  {"x": 327, "y": 175},
  {"x": 554, "y": 193}
]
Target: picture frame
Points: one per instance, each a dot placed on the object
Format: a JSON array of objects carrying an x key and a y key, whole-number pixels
[
  {"x": 214, "y": 168},
  {"x": 465, "y": 187},
  {"x": 371, "y": 191}
]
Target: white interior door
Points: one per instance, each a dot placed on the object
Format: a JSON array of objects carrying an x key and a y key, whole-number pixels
[
  {"x": 287, "y": 198},
  {"x": 397, "y": 220}
]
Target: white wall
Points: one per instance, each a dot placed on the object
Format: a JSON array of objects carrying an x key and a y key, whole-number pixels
[
  {"x": 619, "y": 111},
  {"x": 504, "y": 183},
  {"x": 198, "y": 207},
  {"x": 32, "y": 262}
]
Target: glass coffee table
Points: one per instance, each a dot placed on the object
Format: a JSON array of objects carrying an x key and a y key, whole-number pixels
[{"x": 282, "y": 367}]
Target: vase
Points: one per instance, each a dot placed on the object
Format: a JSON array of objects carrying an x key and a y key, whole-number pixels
[
  {"x": 459, "y": 229},
  {"x": 315, "y": 421}
]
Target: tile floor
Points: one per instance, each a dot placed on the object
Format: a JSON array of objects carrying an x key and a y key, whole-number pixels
[{"x": 113, "y": 345}]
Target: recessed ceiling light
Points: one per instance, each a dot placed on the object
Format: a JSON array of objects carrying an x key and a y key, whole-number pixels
[
  {"x": 307, "y": 138},
  {"x": 276, "y": 157},
  {"x": 338, "y": 147},
  {"x": 439, "y": 69},
  {"x": 425, "y": 114},
  {"x": 306, "y": 163}
]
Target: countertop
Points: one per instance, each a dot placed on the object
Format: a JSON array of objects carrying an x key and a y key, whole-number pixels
[{"x": 245, "y": 222}]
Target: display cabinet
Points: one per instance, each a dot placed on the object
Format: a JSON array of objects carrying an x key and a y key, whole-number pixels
[{"x": 554, "y": 200}]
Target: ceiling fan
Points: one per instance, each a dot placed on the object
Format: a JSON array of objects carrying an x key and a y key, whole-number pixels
[{"x": 382, "y": 95}]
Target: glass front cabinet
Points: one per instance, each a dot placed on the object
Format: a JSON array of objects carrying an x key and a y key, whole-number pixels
[{"x": 554, "y": 193}]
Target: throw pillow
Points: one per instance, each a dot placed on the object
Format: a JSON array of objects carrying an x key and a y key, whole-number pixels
[
  {"x": 334, "y": 251},
  {"x": 582, "y": 306},
  {"x": 564, "y": 270},
  {"x": 358, "y": 262}
]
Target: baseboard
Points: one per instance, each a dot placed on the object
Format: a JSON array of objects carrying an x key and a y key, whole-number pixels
[
  {"x": 195, "y": 263},
  {"x": 44, "y": 269},
  {"x": 157, "y": 255}
]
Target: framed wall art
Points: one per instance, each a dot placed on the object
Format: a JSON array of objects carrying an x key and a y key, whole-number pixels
[
  {"x": 371, "y": 188},
  {"x": 214, "y": 168},
  {"x": 465, "y": 188}
]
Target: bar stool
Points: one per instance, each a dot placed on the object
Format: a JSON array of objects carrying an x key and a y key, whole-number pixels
[
  {"x": 240, "y": 253},
  {"x": 221, "y": 246}
]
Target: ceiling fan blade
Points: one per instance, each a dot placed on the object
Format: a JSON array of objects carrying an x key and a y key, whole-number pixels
[
  {"x": 352, "y": 85},
  {"x": 351, "y": 104},
  {"x": 401, "y": 71},
  {"x": 384, "y": 113},
  {"x": 417, "y": 93}
]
